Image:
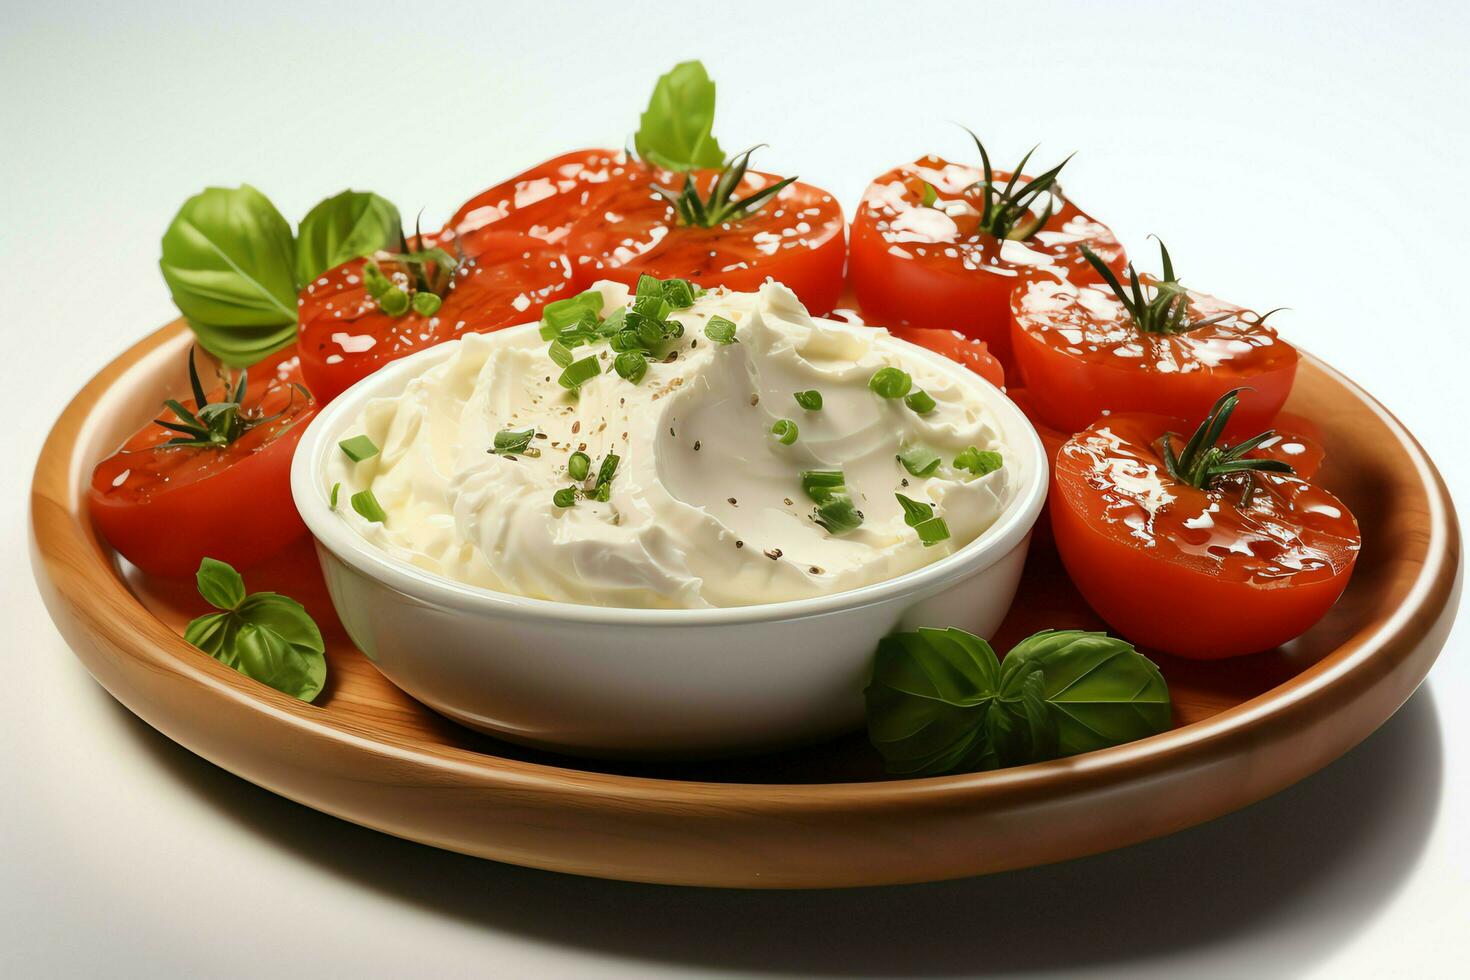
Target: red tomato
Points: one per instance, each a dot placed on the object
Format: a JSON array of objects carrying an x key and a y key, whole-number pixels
[
  {"x": 164, "y": 508},
  {"x": 1080, "y": 355},
  {"x": 345, "y": 335},
  {"x": 1202, "y": 573},
  {"x": 795, "y": 238},
  {"x": 931, "y": 267},
  {"x": 973, "y": 354}
]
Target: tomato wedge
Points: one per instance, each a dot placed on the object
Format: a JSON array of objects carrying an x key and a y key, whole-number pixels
[
  {"x": 1202, "y": 571},
  {"x": 796, "y": 237},
  {"x": 164, "y": 507},
  {"x": 918, "y": 256}
]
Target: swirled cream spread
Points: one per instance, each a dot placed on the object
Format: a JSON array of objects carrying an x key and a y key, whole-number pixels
[{"x": 730, "y": 485}]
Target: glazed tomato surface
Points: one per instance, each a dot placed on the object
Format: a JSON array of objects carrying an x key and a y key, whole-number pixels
[
  {"x": 1202, "y": 573},
  {"x": 345, "y": 335},
  {"x": 928, "y": 266},
  {"x": 973, "y": 354},
  {"x": 795, "y": 238},
  {"x": 1079, "y": 354},
  {"x": 163, "y": 508}
]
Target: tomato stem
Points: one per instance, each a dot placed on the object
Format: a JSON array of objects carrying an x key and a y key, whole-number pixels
[
  {"x": 1205, "y": 462},
  {"x": 1004, "y": 208},
  {"x": 721, "y": 206}
]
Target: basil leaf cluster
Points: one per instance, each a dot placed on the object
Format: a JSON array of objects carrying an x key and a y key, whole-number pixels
[
  {"x": 234, "y": 268},
  {"x": 676, "y": 130},
  {"x": 264, "y": 636},
  {"x": 941, "y": 700}
]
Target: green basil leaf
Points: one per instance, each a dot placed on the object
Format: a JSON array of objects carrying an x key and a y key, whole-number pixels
[
  {"x": 229, "y": 261},
  {"x": 676, "y": 130},
  {"x": 214, "y": 633},
  {"x": 284, "y": 616},
  {"x": 1100, "y": 690},
  {"x": 221, "y": 586},
  {"x": 345, "y": 227},
  {"x": 268, "y": 657}
]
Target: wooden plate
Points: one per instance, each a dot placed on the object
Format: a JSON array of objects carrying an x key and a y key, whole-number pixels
[{"x": 818, "y": 817}]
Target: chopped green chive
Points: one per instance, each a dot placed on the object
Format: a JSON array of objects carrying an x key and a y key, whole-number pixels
[
  {"x": 560, "y": 353},
  {"x": 332, "y": 500},
  {"x": 613, "y": 323},
  {"x": 810, "y": 400},
  {"x": 678, "y": 293},
  {"x": 890, "y": 382},
  {"x": 602, "y": 492},
  {"x": 426, "y": 304},
  {"x": 920, "y": 401},
  {"x": 358, "y": 448},
  {"x": 932, "y": 531},
  {"x": 920, "y": 516},
  {"x": 606, "y": 471},
  {"x": 631, "y": 365},
  {"x": 720, "y": 330},
  {"x": 565, "y": 497},
  {"x": 394, "y": 301},
  {"x": 367, "y": 505},
  {"x": 565, "y": 312},
  {"x": 821, "y": 484},
  {"x": 579, "y": 372},
  {"x": 509, "y": 441},
  {"x": 929, "y": 196},
  {"x": 979, "y": 461},
  {"x": 785, "y": 431},
  {"x": 835, "y": 510},
  {"x": 919, "y": 460},
  {"x": 578, "y": 465}
]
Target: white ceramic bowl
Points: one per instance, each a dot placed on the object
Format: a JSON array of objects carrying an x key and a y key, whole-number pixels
[{"x": 648, "y": 682}]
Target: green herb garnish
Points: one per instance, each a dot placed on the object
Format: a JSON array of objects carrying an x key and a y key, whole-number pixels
[
  {"x": 675, "y": 131},
  {"x": 358, "y": 448},
  {"x": 785, "y": 431},
  {"x": 578, "y": 465},
  {"x": 979, "y": 461},
  {"x": 511, "y": 441},
  {"x": 1166, "y": 311},
  {"x": 927, "y": 195},
  {"x": 332, "y": 498},
  {"x": 631, "y": 365},
  {"x": 560, "y": 354},
  {"x": 368, "y": 507},
  {"x": 920, "y": 401},
  {"x": 678, "y": 293},
  {"x": 579, "y": 373},
  {"x": 565, "y": 312},
  {"x": 811, "y": 400},
  {"x": 835, "y": 510},
  {"x": 1205, "y": 462},
  {"x": 1005, "y": 213},
  {"x": 919, "y": 460},
  {"x": 264, "y": 636},
  {"x": 891, "y": 382},
  {"x": 214, "y": 425},
  {"x": 920, "y": 516},
  {"x": 721, "y": 206},
  {"x": 720, "y": 330},
  {"x": 607, "y": 471},
  {"x": 941, "y": 701},
  {"x": 565, "y": 497}
]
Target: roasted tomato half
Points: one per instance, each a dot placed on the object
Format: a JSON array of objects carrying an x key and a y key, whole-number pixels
[
  {"x": 1188, "y": 545},
  {"x": 361, "y": 315},
  {"x": 211, "y": 477},
  {"x": 1148, "y": 346},
  {"x": 732, "y": 227},
  {"x": 942, "y": 245}
]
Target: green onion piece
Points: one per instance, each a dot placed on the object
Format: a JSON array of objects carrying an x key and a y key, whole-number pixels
[
  {"x": 565, "y": 497},
  {"x": 979, "y": 461},
  {"x": 930, "y": 195},
  {"x": 578, "y": 465},
  {"x": 565, "y": 312},
  {"x": 720, "y": 330},
  {"x": 838, "y": 514},
  {"x": 426, "y": 304},
  {"x": 549, "y": 332},
  {"x": 810, "y": 400},
  {"x": 613, "y": 323},
  {"x": 890, "y": 382},
  {"x": 332, "y": 500},
  {"x": 820, "y": 485},
  {"x": 915, "y": 512},
  {"x": 678, "y": 293},
  {"x": 932, "y": 531},
  {"x": 650, "y": 332},
  {"x": 358, "y": 448},
  {"x": 785, "y": 431},
  {"x": 920, "y": 401},
  {"x": 579, "y": 372},
  {"x": 631, "y": 365},
  {"x": 560, "y": 353},
  {"x": 394, "y": 301},
  {"x": 606, "y": 471},
  {"x": 625, "y": 340},
  {"x": 919, "y": 460},
  {"x": 510, "y": 441},
  {"x": 367, "y": 505},
  {"x": 602, "y": 492}
]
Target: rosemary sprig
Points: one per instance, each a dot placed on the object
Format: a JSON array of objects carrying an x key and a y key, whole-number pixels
[
  {"x": 1005, "y": 212},
  {"x": 1205, "y": 462},
  {"x": 215, "y": 424},
  {"x": 721, "y": 206},
  {"x": 1166, "y": 311}
]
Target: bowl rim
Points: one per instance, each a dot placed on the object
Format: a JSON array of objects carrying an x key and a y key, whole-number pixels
[{"x": 336, "y": 536}]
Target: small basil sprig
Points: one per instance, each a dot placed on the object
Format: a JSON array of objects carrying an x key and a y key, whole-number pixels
[
  {"x": 344, "y": 227},
  {"x": 941, "y": 701},
  {"x": 264, "y": 636},
  {"x": 676, "y": 130},
  {"x": 229, "y": 261}
]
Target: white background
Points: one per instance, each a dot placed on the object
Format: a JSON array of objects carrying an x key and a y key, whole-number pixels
[{"x": 1310, "y": 156}]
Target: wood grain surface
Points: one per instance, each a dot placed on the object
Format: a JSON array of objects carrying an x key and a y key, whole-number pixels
[{"x": 814, "y": 817}]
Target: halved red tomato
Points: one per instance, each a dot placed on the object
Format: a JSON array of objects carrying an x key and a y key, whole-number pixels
[
  {"x": 921, "y": 256},
  {"x": 171, "y": 497},
  {"x": 1084, "y": 350},
  {"x": 794, "y": 236},
  {"x": 1188, "y": 546}
]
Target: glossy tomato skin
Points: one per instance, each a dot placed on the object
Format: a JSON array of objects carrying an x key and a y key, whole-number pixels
[
  {"x": 1191, "y": 572},
  {"x": 973, "y": 354},
  {"x": 797, "y": 238},
  {"x": 344, "y": 336},
  {"x": 164, "y": 509},
  {"x": 1076, "y": 350},
  {"x": 928, "y": 267}
]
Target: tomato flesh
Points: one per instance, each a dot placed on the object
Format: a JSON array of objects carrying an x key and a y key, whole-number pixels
[
  {"x": 930, "y": 267},
  {"x": 973, "y": 354},
  {"x": 546, "y": 200},
  {"x": 795, "y": 238},
  {"x": 164, "y": 508},
  {"x": 1193, "y": 572},
  {"x": 1079, "y": 355}
]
